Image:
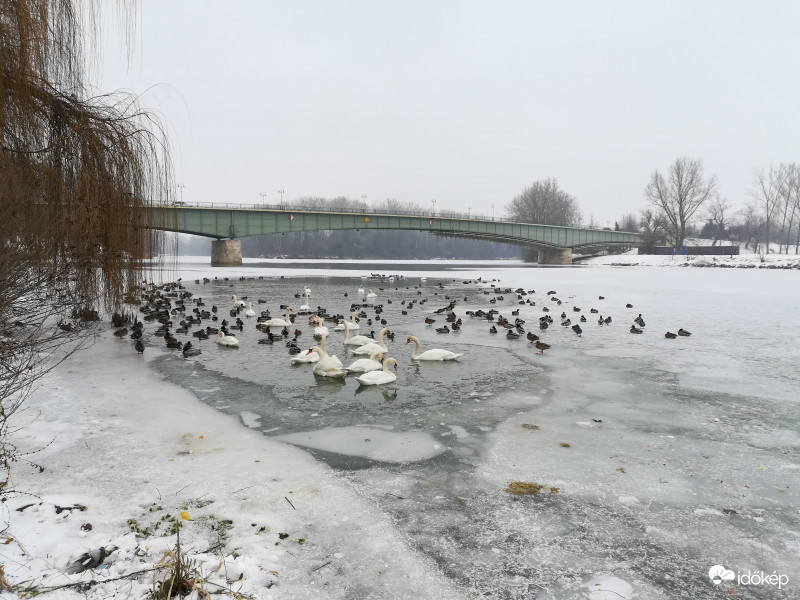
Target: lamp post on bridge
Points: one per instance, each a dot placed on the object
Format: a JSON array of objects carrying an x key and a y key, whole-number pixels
[
  {"x": 469, "y": 212},
  {"x": 281, "y": 191},
  {"x": 180, "y": 187},
  {"x": 492, "y": 212},
  {"x": 263, "y": 197},
  {"x": 434, "y": 206}
]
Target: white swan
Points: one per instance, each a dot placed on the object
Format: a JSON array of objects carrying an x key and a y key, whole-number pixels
[
  {"x": 306, "y": 290},
  {"x": 372, "y": 346},
  {"x": 227, "y": 340},
  {"x": 432, "y": 354},
  {"x": 356, "y": 340},
  {"x": 363, "y": 365},
  {"x": 279, "y": 322},
  {"x": 320, "y": 331},
  {"x": 305, "y": 307},
  {"x": 353, "y": 324},
  {"x": 379, "y": 377},
  {"x": 250, "y": 312},
  {"x": 372, "y": 295},
  {"x": 238, "y": 302},
  {"x": 327, "y": 366},
  {"x": 309, "y": 357},
  {"x": 361, "y": 290}
]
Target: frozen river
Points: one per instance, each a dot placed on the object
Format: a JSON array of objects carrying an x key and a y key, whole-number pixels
[{"x": 659, "y": 458}]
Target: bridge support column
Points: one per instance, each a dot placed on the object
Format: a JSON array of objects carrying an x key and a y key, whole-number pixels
[
  {"x": 226, "y": 253},
  {"x": 555, "y": 256}
]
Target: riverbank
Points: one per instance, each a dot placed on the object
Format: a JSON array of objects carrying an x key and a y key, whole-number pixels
[{"x": 119, "y": 457}]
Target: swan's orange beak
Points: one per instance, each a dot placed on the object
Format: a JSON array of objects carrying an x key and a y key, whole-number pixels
[
  {"x": 395, "y": 366},
  {"x": 309, "y": 352},
  {"x": 407, "y": 342}
]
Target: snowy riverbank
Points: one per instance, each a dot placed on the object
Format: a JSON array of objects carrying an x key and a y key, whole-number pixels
[{"x": 123, "y": 450}]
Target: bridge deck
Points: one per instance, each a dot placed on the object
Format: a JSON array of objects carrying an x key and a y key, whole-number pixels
[{"x": 235, "y": 221}]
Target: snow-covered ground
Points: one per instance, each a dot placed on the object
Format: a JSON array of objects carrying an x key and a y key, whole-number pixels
[{"x": 682, "y": 454}]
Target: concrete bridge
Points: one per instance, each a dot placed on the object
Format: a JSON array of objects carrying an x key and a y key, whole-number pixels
[{"x": 226, "y": 222}]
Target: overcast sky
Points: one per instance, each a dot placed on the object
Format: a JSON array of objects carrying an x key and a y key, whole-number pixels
[{"x": 465, "y": 102}]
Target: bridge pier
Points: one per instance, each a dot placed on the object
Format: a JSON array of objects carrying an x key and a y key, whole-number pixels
[
  {"x": 226, "y": 253},
  {"x": 555, "y": 256}
]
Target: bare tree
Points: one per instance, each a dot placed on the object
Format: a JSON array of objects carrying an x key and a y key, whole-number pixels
[
  {"x": 679, "y": 195},
  {"x": 766, "y": 192},
  {"x": 544, "y": 202},
  {"x": 787, "y": 200},
  {"x": 651, "y": 224},
  {"x": 75, "y": 172},
  {"x": 629, "y": 222},
  {"x": 752, "y": 227},
  {"x": 720, "y": 216}
]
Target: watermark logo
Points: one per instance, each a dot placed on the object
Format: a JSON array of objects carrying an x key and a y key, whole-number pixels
[{"x": 717, "y": 574}]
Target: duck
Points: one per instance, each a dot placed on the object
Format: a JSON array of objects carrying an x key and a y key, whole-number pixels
[
  {"x": 577, "y": 329},
  {"x": 227, "y": 340},
  {"x": 353, "y": 323},
  {"x": 444, "y": 329},
  {"x": 274, "y": 322},
  {"x": 121, "y": 333},
  {"x": 670, "y": 336},
  {"x": 432, "y": 354},
  {"x": 139, "y": 347},
  {"x": 356, "y": 340},
  {"x": 541, "y": 346},
  {"x": 250, "y": 313},
  {"x": 639, "y": 320},
  {"x": 189, "y": 351},
  {"x": 429, "y": 321},
  {"x": 682, "y": 332},
  {"x": 373, "y": 346},
  {"x": 379, "y": 377},
  {"x": 363, "y": 365},
  {"x": 635, "y": 329},
  {"x": 493, "y": 329},
  {"x": 532, "y": 336},
  {"x": 326, "y": 366}
]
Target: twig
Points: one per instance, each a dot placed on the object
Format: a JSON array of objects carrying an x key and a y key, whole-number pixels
[
  {"x": 289, "y": 501},
  {"x": 323, "y": 565},
  {"x": 242, "y": 489},
  {"x": 93, "y": 581}
]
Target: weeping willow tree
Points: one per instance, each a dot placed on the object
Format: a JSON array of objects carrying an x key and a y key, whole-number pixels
[{"x": 76, "y": 172}]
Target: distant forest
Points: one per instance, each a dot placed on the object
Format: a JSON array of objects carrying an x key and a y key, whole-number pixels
[{"x": 365, "y": 244}]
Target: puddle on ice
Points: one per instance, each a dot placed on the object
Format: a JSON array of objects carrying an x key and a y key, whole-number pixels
[
  {"x": 368, "y": 442},
  {"x": 666, "y": 461}
]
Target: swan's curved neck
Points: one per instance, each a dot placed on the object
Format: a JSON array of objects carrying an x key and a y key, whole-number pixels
[
  {"x": 416, "y": 347},
  {"x": 288, "y": 310}
]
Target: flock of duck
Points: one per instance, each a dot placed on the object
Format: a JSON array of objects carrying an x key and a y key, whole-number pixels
[{"x": 166, "y": 303}]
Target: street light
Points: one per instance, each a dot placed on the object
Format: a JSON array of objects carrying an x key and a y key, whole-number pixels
[
  {"x": 469, "y": 212},
  {"x": 280, "y": 191},
  {"x": 180, "y": 187},
  {"x": 492, "y": 212},
  {"x": 434, "y": 206},
  {"x": 263, "y": 197}
]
